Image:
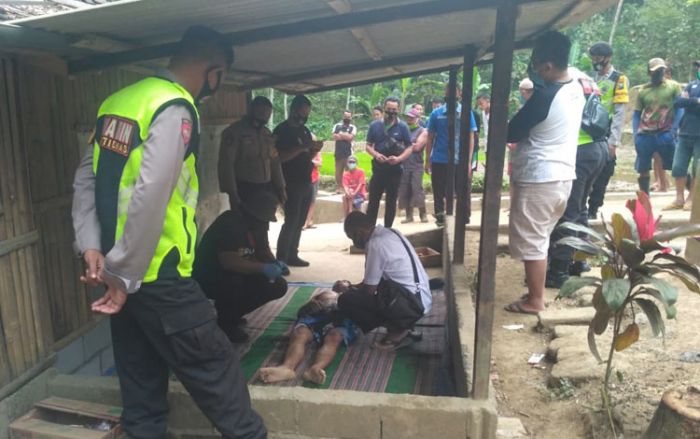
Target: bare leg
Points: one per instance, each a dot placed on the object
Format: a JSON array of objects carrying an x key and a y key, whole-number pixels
[
  {"x": 295, "y": 353},
  {"x": 324, "y": 356},
  {"x": 535, "y": 273},
  {"x": 680, "y": 190}
]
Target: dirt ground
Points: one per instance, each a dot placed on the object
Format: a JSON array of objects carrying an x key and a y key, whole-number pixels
[{"x": 574, "y": 412}]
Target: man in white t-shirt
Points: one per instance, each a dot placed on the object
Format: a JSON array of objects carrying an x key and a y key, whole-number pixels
[
  {"x": 391, "y": 262},
  {"x": 544, "y": 163}
]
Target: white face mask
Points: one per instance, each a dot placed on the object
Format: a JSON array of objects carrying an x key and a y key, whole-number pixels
[{"x": 352, "y": 166}]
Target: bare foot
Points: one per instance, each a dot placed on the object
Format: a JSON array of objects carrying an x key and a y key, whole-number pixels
[
  {"x": 270, "y": 375},
  {"x": 316, "y": 375}
]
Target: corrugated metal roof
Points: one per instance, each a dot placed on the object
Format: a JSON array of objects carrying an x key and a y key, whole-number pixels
[{"x": 331, "y": 57}]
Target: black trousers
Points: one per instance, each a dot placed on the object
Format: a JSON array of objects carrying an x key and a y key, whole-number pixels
[
  {"x": 438, "y": 179},
  {"x": 365, "y": 310},
  {"x": 384, "y": 180},
  {"x": 590, "y": 160},
  {"x": 600, "y": 186},
  {"x": 172, "y": 326},
  {"x": 246, "y": 190},
  {"x": 243, "y": 294},
  {"x": 295, "y": 210}
]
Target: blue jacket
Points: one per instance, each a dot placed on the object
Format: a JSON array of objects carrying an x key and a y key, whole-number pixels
[{"x": 690, "y": 123}]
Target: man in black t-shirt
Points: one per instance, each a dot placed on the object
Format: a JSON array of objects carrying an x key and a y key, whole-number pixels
[
  {"x": 296, "y": 150},
  {"x": 230, "y": 267}
]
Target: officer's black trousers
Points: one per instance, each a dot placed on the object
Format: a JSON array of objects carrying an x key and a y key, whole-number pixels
[
  {"x": 600, "y": 186},
  {"x": 172, "y": 326},
  {"x": 295, "y": 210}
]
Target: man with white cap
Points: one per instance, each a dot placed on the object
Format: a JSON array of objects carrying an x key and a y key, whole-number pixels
[{"x": 654, "y": 122}]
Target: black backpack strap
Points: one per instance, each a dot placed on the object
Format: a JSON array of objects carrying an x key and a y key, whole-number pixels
[{"x": 410, "y": 256}]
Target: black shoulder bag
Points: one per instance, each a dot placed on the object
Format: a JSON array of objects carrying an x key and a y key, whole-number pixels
[{"x": 400, "y": 307}]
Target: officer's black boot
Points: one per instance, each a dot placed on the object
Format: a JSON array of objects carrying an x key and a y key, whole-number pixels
[
  {"x": 423, "y": 215},
  {"x": 557, "y": 273},
  {"x": 409, "y": 216}
]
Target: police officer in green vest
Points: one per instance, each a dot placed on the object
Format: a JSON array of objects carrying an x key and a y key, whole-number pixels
[
  {"x": 614, "y": 88},
  {"x": 135, "y": 200}
]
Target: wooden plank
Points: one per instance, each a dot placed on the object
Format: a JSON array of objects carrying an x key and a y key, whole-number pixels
[
  {"x": 102, "y": 411},
  {"x": 451, "y": 134},
  {"x": 463, "y": 183},
  {"x": 25, "y": 340},
  {"x": 31, "y": 341},
  {"x": 8, "y": 246},
  {"x": 506, "y": 19}
]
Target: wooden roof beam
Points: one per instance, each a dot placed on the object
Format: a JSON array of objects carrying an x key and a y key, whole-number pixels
[{"x": 300, "y": 28}]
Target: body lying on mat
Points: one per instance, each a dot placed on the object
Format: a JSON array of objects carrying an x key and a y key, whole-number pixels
[{"x": 317, "y": 321}]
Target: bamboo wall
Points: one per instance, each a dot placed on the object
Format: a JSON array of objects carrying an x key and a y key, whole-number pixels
[{"x": 46, "y": 119}]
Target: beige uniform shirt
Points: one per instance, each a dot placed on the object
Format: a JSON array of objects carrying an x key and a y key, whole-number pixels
[{"x": 248, "y": 154}]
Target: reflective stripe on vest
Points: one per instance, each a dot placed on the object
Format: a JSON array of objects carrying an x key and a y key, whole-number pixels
[{"x": 124, "y": 120}]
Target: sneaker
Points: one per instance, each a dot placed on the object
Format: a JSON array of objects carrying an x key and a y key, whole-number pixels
[
  {"x": 297, "y": 262},
  {"x": 592, "y": 215}
]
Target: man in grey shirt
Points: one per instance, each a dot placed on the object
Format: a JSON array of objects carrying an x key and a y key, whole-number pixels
[{"x": 135, "y": 197}]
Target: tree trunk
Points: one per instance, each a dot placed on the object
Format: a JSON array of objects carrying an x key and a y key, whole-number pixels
[
  {"x": 615, "y": 21},
  {"x": 677, "y": 417}
]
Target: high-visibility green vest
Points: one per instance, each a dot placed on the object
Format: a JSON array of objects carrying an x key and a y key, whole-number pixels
[{"x": 123, "y": 123}]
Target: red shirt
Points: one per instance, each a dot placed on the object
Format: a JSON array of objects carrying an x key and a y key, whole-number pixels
[
  {"x": 315, "y": 174},
  {"x": 354, "y": 179}
]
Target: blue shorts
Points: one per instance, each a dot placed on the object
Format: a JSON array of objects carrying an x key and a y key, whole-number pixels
[
  {"x": 357, "y": 201},
  {"x": 321, "y": 323},
  {"x": 688, "y": 148},
  {"x": 648, "y": 144}
]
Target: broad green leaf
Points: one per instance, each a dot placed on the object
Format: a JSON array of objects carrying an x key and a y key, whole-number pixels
[
  {"x": 651, "y": 245},
  {"x": 603, "y": 312},
  {"x": 621, "y": 229},
  {"x": 632, "y": 255},
  {"x": 653, "y": 314},
  {"x": 678, "y": 232},
  {"x": 615, "y": 292},
  {"x": 581, "y": 245},
  {"x": 607, "y": 272},
  {"x": 592, "y": 344},
  {"x": 669, "y": 293},
  {"x": 575, "y": 227},
  {"x": 627, "y": 337},
  {"x": 580, "y": 256},
  {"x": 575, "y": 283},
  {"x": 670, "y": 309},
  {"x": 679, "y": 273},
  {"x": 679, "y": 261}
]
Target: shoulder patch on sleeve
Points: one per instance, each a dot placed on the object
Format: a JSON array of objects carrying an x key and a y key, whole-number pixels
[
  {"x": 621, "y": 95},
  {"x": 186, "y": 130},
  {"x": 117, "y": 134}
]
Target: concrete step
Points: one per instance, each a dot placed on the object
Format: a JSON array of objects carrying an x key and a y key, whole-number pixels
[{"x": 550, "y": 318}]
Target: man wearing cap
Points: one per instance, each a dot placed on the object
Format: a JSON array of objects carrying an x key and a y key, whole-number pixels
[
  {"x": 232, "y": 267},
  {"x": 411, "y": 193},
  {"x": 134, "y": 202},
  {"x": 249, "y": 162},
  {"x": 688, "y": 137},
  {"x": 614, "y": 89},
  {"x": 654, "y": 123}
]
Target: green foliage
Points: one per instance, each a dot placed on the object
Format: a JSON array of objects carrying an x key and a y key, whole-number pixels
[
  {"x": 647, "y": 29},
  {"x": 628, "y": 279}
]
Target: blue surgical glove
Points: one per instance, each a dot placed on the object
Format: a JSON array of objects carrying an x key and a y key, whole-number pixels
[
  {"x": 272, "y": 271},
  {"x": 282, "y": 265}
]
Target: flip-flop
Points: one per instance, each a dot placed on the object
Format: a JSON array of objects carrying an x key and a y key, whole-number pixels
[
  {"x": 673, "y": 206},
  {"x": 517, "y": 307},
  {"x": 392, "y": 345}
]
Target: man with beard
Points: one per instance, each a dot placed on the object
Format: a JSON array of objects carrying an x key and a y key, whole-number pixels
[{"x": 654, "y": 122}]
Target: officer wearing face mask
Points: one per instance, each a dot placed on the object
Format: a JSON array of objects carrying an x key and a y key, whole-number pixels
[
  {"x": 655, "y": 122},
  {"x": 133, "y": 213},
  {"x": 249, "y": 163},
  {"x": 614, "y": 90}
]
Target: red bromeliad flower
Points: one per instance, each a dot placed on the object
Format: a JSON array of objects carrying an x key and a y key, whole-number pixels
[{"x": 643, "y": 216}]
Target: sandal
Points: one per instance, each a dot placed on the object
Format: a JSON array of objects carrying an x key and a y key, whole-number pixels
[
  {"x": 392, "y": 345},
  {"x": 517, "y": 307},
  {"x": 673, "y": 206}
]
